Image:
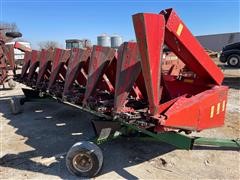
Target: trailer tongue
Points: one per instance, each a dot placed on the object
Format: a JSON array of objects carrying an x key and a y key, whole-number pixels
[{"x": 127, "y": 90}]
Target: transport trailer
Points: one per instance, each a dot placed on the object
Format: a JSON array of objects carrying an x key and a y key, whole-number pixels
[{"x": 128, "y": 92}]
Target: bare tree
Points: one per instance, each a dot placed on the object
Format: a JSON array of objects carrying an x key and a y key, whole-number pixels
[
  {"x": 8, "y": 27},
  {"x": 48, "y": 44}
]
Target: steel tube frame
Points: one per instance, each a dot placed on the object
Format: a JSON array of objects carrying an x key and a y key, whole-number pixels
[{"x": 178, "y": 140}]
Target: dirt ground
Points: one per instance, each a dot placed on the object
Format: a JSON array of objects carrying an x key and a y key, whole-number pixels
[{"x": 34, "y": 144}]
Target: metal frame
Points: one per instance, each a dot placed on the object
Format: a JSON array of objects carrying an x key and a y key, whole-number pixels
[{"x": 111, "y": 132}]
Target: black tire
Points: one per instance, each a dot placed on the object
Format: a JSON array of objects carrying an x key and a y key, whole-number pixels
[
  {"x": 11, "y": 84},
  {"x": 233, "y": 60},
  {"x": 13, "y": 34},
  {"x": 84, "y": 159},
  {"x": 16, "y": 105}
]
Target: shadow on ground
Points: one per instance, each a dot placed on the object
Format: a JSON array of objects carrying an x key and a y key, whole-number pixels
[
  {"x": 232, "y": 82},
  {"x": 51, "y": 129}
]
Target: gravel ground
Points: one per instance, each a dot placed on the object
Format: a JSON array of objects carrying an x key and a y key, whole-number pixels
[{"x": 34, "y": 145}]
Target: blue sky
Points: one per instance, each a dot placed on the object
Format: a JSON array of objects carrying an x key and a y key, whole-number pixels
[{"x": 58, "y": 20}]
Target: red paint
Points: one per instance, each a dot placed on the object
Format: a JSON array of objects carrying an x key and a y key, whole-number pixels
[{"x": 129, "y": 83}]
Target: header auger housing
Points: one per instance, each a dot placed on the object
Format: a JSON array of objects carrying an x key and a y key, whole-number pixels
[{"x": 128, "y": 87}]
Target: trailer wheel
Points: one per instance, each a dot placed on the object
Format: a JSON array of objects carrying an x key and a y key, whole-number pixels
[
  {"x": 84, "y": 159},
  {"x": 11, "y": 83},
  {"x": 16, "y": 105},
  {"x": 13, "y": 34}
]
